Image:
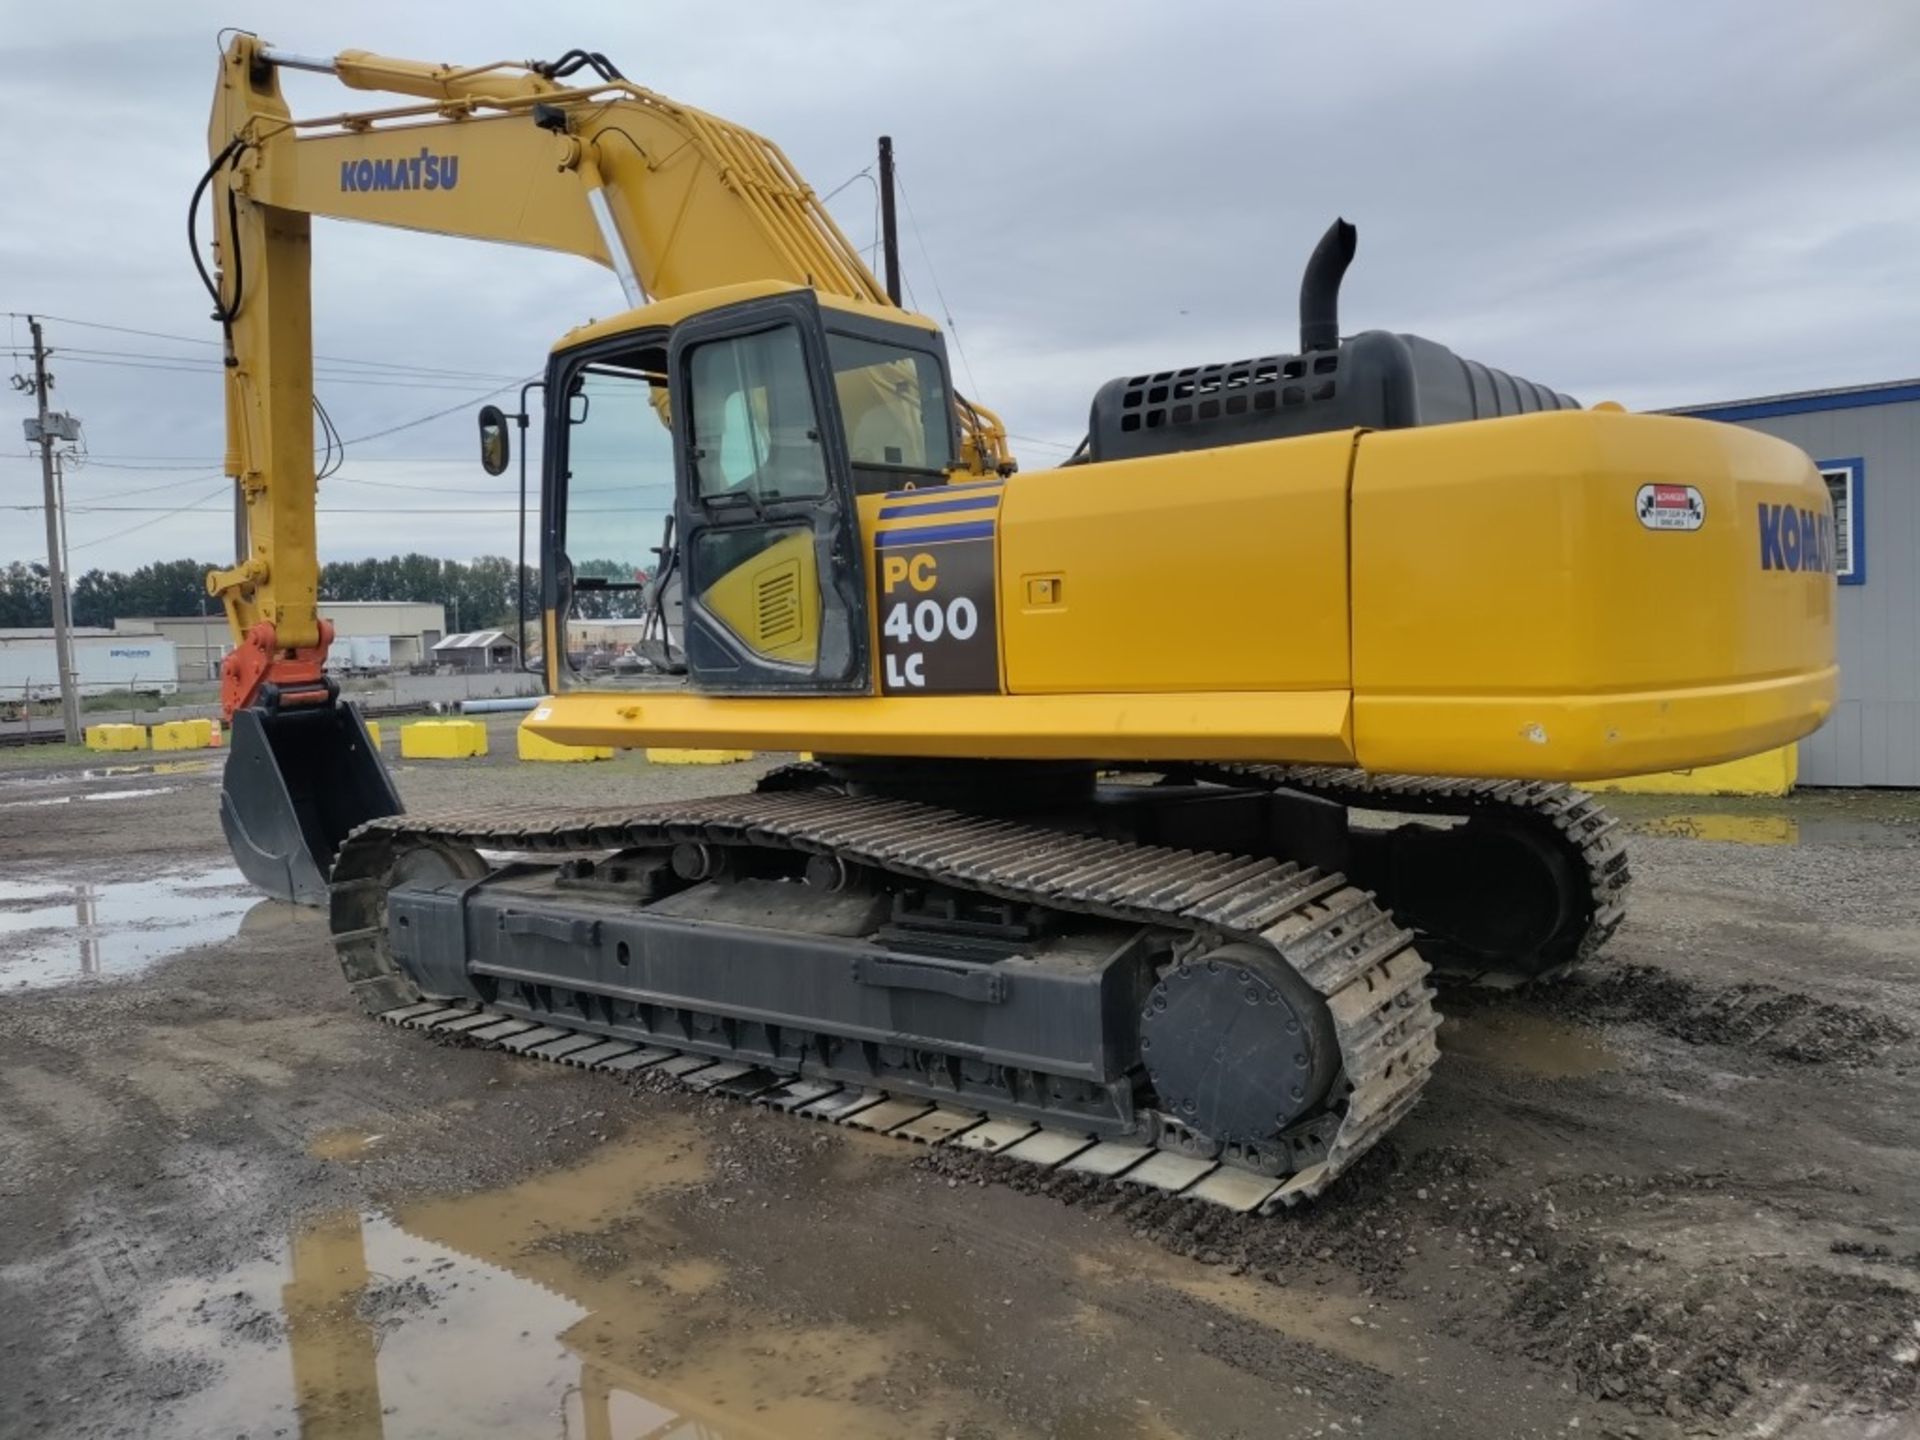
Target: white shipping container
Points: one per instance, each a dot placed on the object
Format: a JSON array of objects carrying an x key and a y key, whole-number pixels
[
  {"x": 360, "y": 654},
  {"x": 102, "y": 665}
]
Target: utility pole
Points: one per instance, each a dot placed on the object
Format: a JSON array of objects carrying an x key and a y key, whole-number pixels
[
  {"x": 207, "y": 662},
  {"x": 889, "y": 236},
  {"x": 60, "y": 504},
  {"x": 56, "y": 572}
]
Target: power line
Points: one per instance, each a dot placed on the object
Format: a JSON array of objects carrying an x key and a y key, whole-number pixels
[
  {"x": 866, "y": 174},
  {"x": 150, "y": 489},
  {"x": 396, "y": 368},
  {"x": 213, "y": 367},
  {"x": 219, "y": 489},
  {"x": 202, "y": 340},
  {"x": 946, "y": 310},
  {"x": 115, "y": 460},
  {"x": 438, "y": 414},
  {"x": 207, "y": 499}
]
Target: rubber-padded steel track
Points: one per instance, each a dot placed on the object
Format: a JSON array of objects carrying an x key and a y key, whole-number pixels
[
  {"x": 1558, "y": 814},
  {"x": 1329, "y": 932}
]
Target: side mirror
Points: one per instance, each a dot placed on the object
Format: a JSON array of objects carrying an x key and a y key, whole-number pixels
[{"x": 494, "y": 446}]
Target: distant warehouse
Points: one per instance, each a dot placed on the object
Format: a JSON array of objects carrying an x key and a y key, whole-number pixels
[
  {"x": 478, "y": 650},
  {"x": 396, "y": 634},
  {"x": 1866, "y": 441}
]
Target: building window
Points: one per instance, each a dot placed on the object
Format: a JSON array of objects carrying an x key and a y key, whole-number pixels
[{"x": 1844, "y": 483}]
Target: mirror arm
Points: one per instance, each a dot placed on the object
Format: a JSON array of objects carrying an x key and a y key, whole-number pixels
[{"x": 522, "y": 418}]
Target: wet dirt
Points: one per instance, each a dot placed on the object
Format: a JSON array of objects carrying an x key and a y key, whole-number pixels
[
  {"x": 1674, "y": 1199},
  {"x": 1784, "y": 1024}
]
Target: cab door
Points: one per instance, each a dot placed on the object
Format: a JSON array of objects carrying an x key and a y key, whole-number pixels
[{"x": 775, "y": 583}]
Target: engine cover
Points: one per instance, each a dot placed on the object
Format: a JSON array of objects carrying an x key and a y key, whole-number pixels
[{"x": 1376, "y": 380}]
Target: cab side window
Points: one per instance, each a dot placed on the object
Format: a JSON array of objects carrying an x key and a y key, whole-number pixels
[{"x": 755, "y": 434}]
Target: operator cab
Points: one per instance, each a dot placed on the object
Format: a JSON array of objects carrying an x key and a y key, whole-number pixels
[{"x": 701, "y": 479}]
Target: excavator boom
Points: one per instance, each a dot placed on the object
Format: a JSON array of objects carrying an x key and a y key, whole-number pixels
[
  {"x": 673, "y": 200},
  {"x": 567, "y": 156}
]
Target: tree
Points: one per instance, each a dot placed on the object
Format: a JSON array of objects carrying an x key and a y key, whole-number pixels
[
  {"x": 609, "y": 604},
  {"x": 26, "y": 599},
  {"x": 166, "y": 587},
  {"x": 484, "y": 592}
]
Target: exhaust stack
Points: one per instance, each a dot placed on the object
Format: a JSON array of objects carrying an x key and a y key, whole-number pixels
[{"x": 1320, "y": 288}]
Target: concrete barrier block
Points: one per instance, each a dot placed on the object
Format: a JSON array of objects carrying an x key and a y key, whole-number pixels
[
  {"x": 1772, "y": 772},
  {"x": 443, "y": 739},
  {"x": 170, "y": 735},
  {"x": 182, "y": 735},
  {"x": 671, "y": 755},
  {"x": 373, "y": 732},
  {"x": 538, "y": 747},
  {"x": 116, "y": 737}
]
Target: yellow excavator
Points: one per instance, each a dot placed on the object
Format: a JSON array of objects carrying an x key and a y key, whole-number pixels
[{"x": 1149, "y": 788}]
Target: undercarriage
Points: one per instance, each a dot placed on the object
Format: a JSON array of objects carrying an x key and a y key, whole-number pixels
[{"x": 1167, "y": 976}]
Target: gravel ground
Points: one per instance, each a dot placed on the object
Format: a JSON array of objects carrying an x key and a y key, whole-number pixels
[{"x": 1673, "y": 1197}]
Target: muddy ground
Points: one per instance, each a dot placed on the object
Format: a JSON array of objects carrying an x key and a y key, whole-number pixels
[{"x": 1677, "y": 1197}]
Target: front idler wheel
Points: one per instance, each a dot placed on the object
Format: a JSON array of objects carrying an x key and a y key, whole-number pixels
[{"x": 1238, "y": 1046}]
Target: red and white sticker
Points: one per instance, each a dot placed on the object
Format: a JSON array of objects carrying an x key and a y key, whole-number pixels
[{"x": 1670, "y": 507}]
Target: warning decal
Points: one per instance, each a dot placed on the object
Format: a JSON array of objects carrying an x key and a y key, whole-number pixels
[
  {"x": 939, "y": 629},
  {"x": 1670, "y": 507}
]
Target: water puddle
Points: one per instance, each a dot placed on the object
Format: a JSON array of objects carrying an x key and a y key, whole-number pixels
[
  {"x": 87, "y": 796},
  {"x": 155, "y": 767},
  {"x": 557, "y": 1307},
  {"x": 1729, "y": 829},
  {"x": 54, "y": 932},
  {"x": 1549, "y": 1049},
  {"x": 343, "y": 1145}
]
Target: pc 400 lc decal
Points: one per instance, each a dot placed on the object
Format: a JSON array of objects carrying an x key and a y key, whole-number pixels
[
  {"x": 1793, "y": 539},
  {"x": 939, "y": 633}
]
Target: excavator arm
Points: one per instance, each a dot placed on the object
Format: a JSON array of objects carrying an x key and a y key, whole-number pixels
[{"x": 567, "y": 156}]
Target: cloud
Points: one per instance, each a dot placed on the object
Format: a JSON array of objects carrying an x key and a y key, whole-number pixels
[{"x": 1654, "y": 203}]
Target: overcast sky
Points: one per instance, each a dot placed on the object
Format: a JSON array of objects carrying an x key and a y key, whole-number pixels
[{"x": 1657, "y": 203}]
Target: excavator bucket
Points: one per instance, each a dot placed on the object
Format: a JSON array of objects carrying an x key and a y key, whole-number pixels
[{"x": 297, "y": 783}]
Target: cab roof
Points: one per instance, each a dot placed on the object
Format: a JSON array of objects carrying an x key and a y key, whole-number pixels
[{"x": 672, "y": 310}]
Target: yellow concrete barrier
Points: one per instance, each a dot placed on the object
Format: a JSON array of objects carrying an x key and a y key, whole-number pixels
[
  {"x": 538, "y": 747},
  {"x": 1772, "y": 772},
  {"x": 183, "y": 735},
  {"x": 443, "y": 739},
  {"x": 669, "y": 755},
  {"x": 373, "y": 732},
  {"x": 116, "y": 737}
]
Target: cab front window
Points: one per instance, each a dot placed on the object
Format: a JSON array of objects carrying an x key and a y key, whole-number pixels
[{"x": 893, "y": 403}]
